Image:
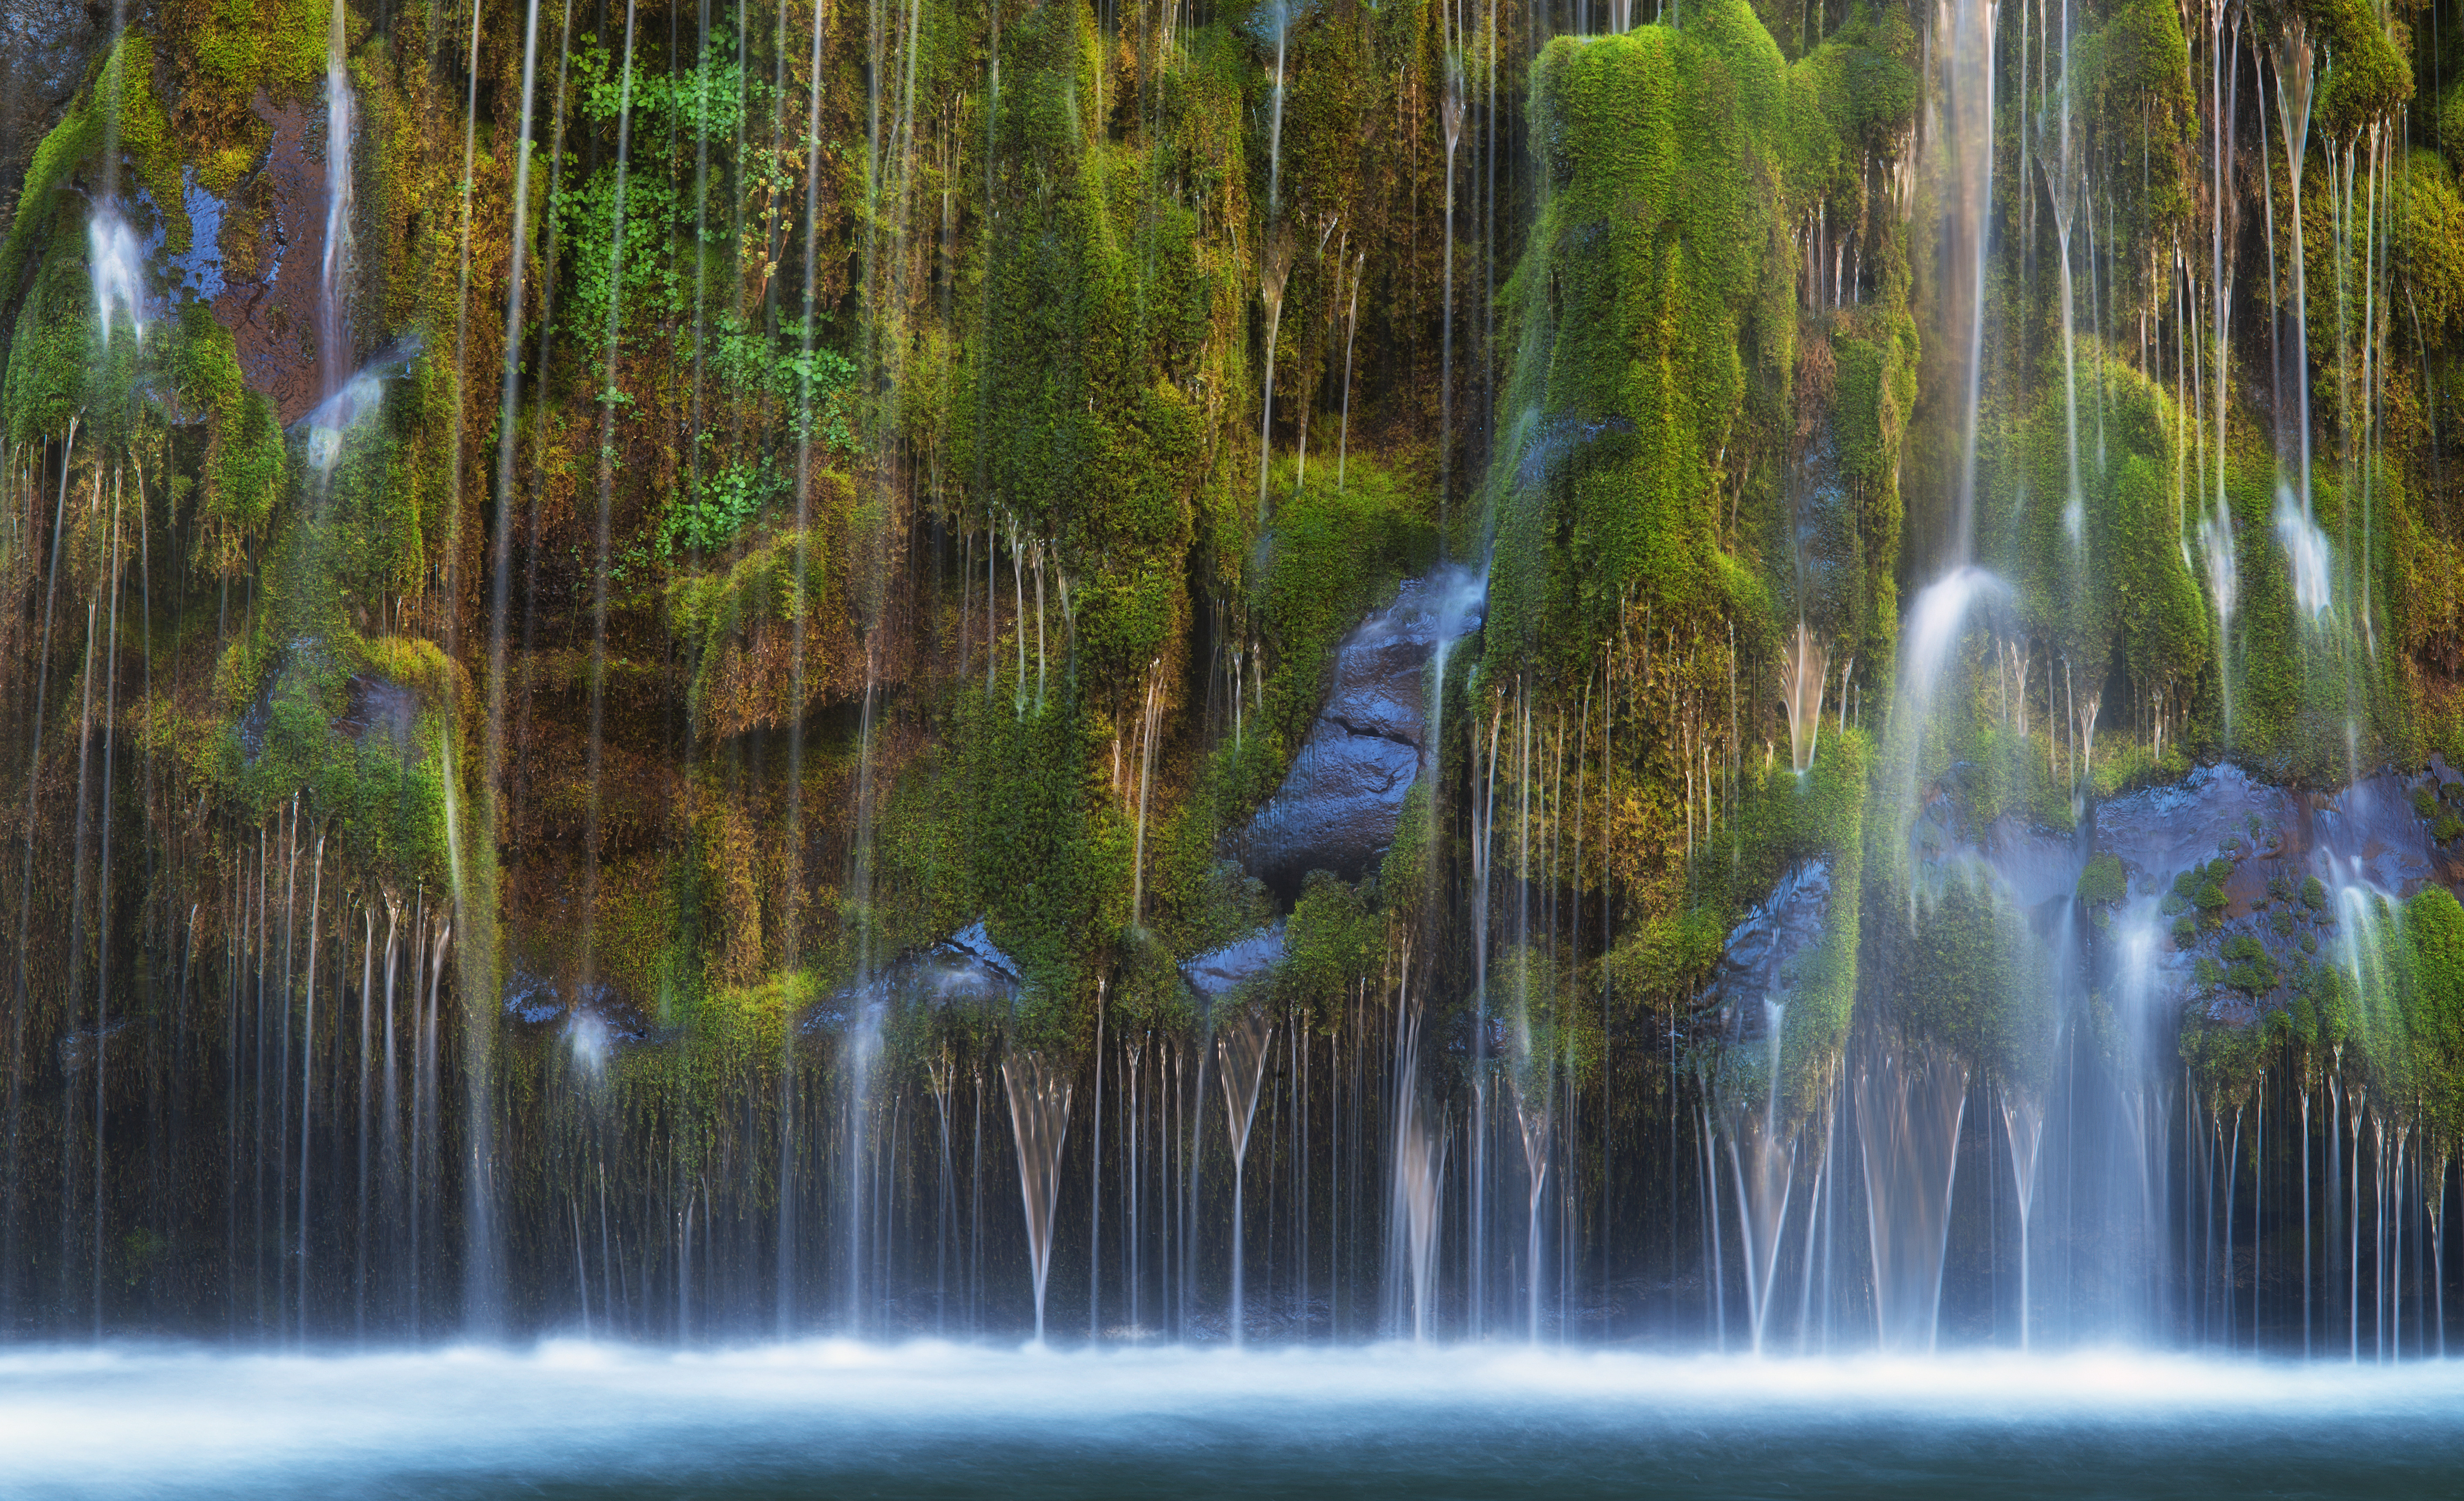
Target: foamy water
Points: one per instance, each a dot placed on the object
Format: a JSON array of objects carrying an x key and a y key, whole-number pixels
[{"x": 837, "y": 1417}]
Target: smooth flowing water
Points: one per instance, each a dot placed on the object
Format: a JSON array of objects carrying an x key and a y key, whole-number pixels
[{"x": 578, "y": 1419}]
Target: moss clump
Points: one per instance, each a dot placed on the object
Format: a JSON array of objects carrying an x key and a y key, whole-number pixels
[
  {"x": 743, "y": 627},
  {"x": 1109, "y": 315},
  {"x": 1972, "y": 976},
  {"x": 2102, "y": 883},
  {"x": 2366, "y": 77},
  {"x": 54, "y": 356},
  {"x": 2123, "y": 586},
  {"x": 1331, "y": 556},
  {"x": 2251, "y": 970},
  {"x": 1330, "y": 942},
  {"x": 2430, "y": 238},
  {"x": 1647, "y": 290},
  {"x": 245, "y": 464},
  {"x": 126, "y": 73}
]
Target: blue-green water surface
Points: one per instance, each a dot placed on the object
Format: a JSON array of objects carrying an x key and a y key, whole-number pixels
[{"x": 836, "y": 1419}]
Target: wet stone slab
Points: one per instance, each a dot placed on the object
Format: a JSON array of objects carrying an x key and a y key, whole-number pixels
[
  {"x": 1223, "y": 971},
  {"x": 1338, "y": 806},
  {"x": 965, "y": 971},
  {"x": 1765, "y": 955}
]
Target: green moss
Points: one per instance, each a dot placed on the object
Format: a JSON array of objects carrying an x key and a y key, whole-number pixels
[
  {"x": 246, "y": 462},
  {"x": 1330, "y": 557},
  {"x": 2126, "y": 586},
  {"x": 2429, "y": 240},
  {"x": 1107, "y": 308},
  {"x": 1783, "y": 820},
  {"x": 126, "y": 70},
  {"x": 54, "y": 353},
  {"x": 1648, "y": 286},
  {"x": 1970, "y": 974},
  {"x": 2366, "y": 76},
  {"x": 1330, "y": 942},
  {"x": 2101, "y": 882}
]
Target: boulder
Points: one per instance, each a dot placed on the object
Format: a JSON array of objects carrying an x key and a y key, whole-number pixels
[
  {"x": 1221, "y": 971},
  {"x": 1337, "y": 808}
]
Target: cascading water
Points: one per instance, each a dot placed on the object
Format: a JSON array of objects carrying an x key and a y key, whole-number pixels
[
  {"x": 335, "y": 265},
  {"x": 1039, "y": 1111},
  {"x": 1997, "y": 1018},
  {"x": 1241, "y": 1047},
  {"x": 117, "y": 262}
]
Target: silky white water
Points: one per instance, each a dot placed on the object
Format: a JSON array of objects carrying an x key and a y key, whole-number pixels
[{"x": 940, "y": 1418}]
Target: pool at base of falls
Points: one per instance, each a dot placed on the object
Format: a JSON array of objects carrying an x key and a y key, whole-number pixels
[{"x": 569, "y": 1419}]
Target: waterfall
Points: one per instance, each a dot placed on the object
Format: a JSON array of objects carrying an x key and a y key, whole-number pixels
[
  {"x": 1039, "y": 1113},
  {"x": 1419, "y": 1179},
  {"x": 336, "y": 265},
  {"x": 1910, "y": 1104},
  {"x": 1803, "y": 672},
  {"x": 1762, "y": 1162},
  {"x": 699, "y": 826},
  {"x": 1240, "y": 1047},
  {"x": 2023, "y": 1128},
  {"x": 119, "y": 264},
  {"x": 1962, "y": 36}
]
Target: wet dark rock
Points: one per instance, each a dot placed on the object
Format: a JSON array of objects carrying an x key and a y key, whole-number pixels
[
  {"x": 2218, "y": 866},
  {"x": 1337, "y": 808},
  {"x": 2162, "y": 830},
  {"x": 2371, "y": 834},
  {"x": 44, "y": 48},
  {"x": 532, "y": 999},
  {"x": 80, "y": 1048},
  {"x": 1221, "y": 971},
  {"x": 383, "y": 708},
  {"x": 965, "y": 971},
  {"x": 1556, "y": 440},
  {"x": 595, "y": 1012},
  {"x": 1764, "y": 956},
  {"x": 273, "y": 243}
]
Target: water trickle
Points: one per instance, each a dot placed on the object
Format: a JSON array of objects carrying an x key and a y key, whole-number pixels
[
  {"x": 118, "y": 265},
  {"x": 2306, "y": 551},
  {"x": 1910, "y": 1103},
  {"x": 1039, "y": 1113},
  {"x": 1240, "y": 1044},
  {"x": 1420, "y": 1147},
  {"x": 1963, "y": 40},
  {"x": 1762, "y": 1164},
  {"x": 1804, "y": 669},
  {"x": 332, "y": 283}
]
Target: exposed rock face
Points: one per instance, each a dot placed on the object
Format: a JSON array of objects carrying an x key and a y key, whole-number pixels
[
  {"x": 1337, "y": 810},
  {"x": 1221, "y": 971},
  {"x": 965, "y": 970},
  {"x": 594, "y": 1014},
  {"x": 383, "y": 708},
  {"x": 2220, "y": 913},
  {"x": 1763, "y": 958},
  {"x": 2161, "y": 831},
  {"x": 44, "y": 45},
  {"x": 273, "y": 239},
  {"x": 2212, "y": 909}
]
